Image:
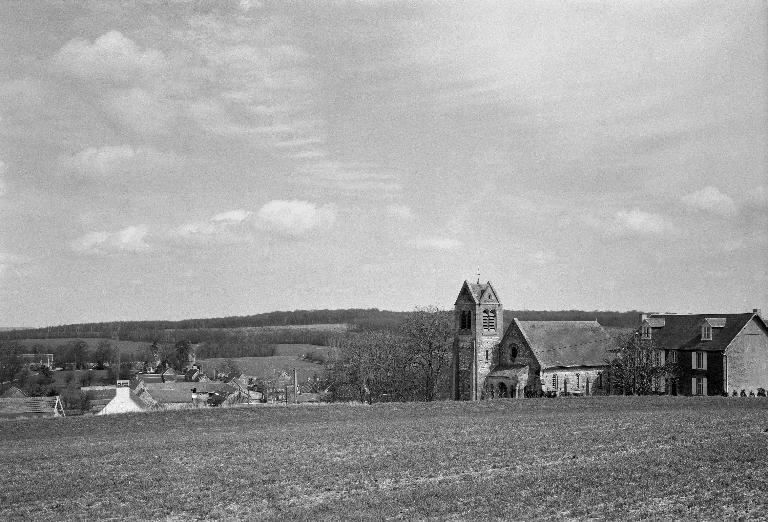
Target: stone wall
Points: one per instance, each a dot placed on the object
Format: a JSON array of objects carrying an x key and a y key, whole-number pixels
[
  {"x": 747, "y": 359},
  {"x": 585, "y": 381}
]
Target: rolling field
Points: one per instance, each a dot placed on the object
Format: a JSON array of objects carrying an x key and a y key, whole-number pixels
[
  {"x": 266, "y": 367},
  {"x": 614, "y": 457}
]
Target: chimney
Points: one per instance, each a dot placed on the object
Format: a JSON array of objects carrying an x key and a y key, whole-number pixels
[
  {"x": 757, "y": 311},
  {"x": 123, "y": 389},
  {"x": 643, "y": 317}
]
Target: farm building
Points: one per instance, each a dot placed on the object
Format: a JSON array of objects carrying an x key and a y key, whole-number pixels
[
  {"x": 715, "y": 353},
  {"x": 119, "y": 399},
  {"x": 180, "y": 394},
  {"x": 531, "y": 356},
  {"x": 12, "y": 393},
  {"x": 31, "y": 407}
]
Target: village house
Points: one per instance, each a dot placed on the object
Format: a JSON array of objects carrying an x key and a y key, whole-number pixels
[
  {"x": 715, "y": 353},
  {"x": 529, "y": 358},
  {"x": 122, "y": 400}
]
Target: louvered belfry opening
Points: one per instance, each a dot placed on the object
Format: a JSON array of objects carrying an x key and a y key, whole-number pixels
[{"x": 489, "y": 319}]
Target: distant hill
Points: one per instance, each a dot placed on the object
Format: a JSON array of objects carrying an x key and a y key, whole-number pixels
[{"x": 355, "y": 318}]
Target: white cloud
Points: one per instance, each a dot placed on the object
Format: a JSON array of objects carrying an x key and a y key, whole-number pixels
[
  {"x": 2, "y": 181},
  {"x": 641, "y": 222},
  {"x": 541, "y": 257},
  {"x": 401, "y": 212},
  {"x": 233, "y": 216},
  {"x": 129, "y": 239},
  {"x": 758, "y": 196},
  {"x": 712, "y": 200},
  {"x": 294, "y": 217},
  {"x": 8, "y": 260},
  {"x": 111, "y": 58},
  {"x": 118, "y": 159},
  {"x": 436, "y": 243}
]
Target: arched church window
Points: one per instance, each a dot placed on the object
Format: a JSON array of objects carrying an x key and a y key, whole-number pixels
[
  {"x": 465, "y": 320},
  {"x": 513, "y": 351}
]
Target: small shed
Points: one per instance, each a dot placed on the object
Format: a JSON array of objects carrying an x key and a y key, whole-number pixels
[{"x": 31, "y": 407}]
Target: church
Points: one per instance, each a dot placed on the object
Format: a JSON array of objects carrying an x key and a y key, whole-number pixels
[{"x": 526, "y": 359}]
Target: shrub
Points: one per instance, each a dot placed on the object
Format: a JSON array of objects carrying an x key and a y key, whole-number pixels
[{"x": 761, "y": 392}]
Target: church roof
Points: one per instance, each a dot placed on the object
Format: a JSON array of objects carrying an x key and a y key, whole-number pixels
[
  {"x": 567, "y": 343},
  {"x": 476, "y": 290}
]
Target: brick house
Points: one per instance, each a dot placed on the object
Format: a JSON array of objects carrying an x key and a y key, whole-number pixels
[
  {"x": 715, "y": 353},
  {"x": 531, "y": 356}
]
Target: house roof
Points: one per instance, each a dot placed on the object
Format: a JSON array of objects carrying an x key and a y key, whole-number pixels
[
  {"x": 13, "y": 393},
  {"x": 567, "y": 343},
  {"x": 683, "y": 332},
  {"x": 180, "y": 391}
]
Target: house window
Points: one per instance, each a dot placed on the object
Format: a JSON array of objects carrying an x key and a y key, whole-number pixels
[
  {"x": 600, "y": 380},
  {"x": 646, "y": 332},
  {"x": 699, "y": 360},
  {"x": 700, "y": 385},
  {"x": 656, "y": 358},
  {"x": 672, "y": 356},
  {"x": 706, "y": 332},
  {"x": 578, "y": 380},
  {"x": 554, "y": 381},
  {"x": 486, "y": 355}
]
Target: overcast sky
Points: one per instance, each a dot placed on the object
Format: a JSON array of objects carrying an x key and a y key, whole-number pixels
[{"x": 207, "y": 159}]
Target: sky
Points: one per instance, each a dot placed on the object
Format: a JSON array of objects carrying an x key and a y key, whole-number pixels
[{"x": 203, "y": 159}]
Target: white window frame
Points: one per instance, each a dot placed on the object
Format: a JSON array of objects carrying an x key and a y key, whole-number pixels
[
  {"x": 699, "y": 360},
  {"x": 554, "y": 381},
  {"x": 706, "y": 332},
  {"x": 672, "y": 356}
]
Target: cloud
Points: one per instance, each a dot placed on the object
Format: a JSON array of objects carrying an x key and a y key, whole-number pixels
[
  {"x": 233, "y": 216},
  {"x": 712, "y": 200},
  {"x": 400, "y": 212},
  {"x": 436, "y": 243},
  {"x": 2, "y": 180},
  {"x": 7, "y": 261},
  {"x": 758, "y": 196},
  {"x": 129, "y": 239},
  {"x": 110, "y": 160},
  {"x": 640, "y": 222},
  {"x": 541, "y": 257},
  {"x": 295, "y": 217},
  {"x": 111, "y": 58},
  {"x": 351, "y": 176}
]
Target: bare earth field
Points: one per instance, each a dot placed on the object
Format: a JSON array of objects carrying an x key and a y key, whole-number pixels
[{"x": 614, "y": 457}]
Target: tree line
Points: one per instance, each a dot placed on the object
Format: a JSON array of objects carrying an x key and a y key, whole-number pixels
[{"x": 357, "y": 319}]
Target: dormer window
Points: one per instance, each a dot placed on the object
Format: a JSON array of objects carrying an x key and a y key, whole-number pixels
[
  {"x": 489, "y": 320},
  {"x": 706, "y": 332},
  {"x": 646, "y": 331}
]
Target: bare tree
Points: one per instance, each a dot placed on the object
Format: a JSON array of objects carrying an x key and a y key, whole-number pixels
[
  {"x": 638, "y": 367},
  {"x": 428, "y": 333}
]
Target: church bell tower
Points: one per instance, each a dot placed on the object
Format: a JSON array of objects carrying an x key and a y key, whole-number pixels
[{"x": 478, "y": 328}]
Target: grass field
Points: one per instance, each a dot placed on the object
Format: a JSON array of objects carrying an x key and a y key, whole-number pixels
[
  {"x": 614, "y": 457},
  {"x": 266, "y": 367}
]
